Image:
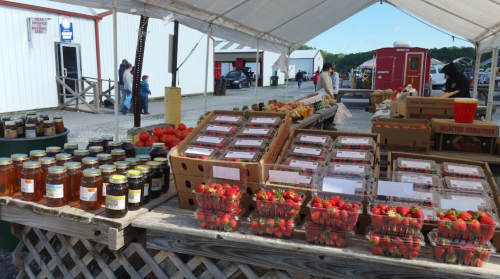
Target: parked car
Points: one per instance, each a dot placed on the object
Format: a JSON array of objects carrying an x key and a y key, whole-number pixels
[
  {"x": 437, "y": 76},
  {"x": 238, "y": 78}
]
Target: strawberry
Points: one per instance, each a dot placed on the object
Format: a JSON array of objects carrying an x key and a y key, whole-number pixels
[
  {"x": 439, "y": 252},
  {"x": 459, "y": 225},
  {"x": 466, "y": 216},
  {"x": 374, "y": 240},
  {"x": 483, "y": 253},
  {"x": 316, "y": 200},
  {"x": 377, "y": 250},
  {"x": 487, "y": 220},
  {"x": 402, "y": 248},
  {"x": 315, "y": 216},
  {"x": 254, "y": 225},
  {"x": 478, "y": 262},
  {"x": 474, "y": 227},
  {"x": 466, "y": 257},
  {"x": 393, "y": 249},
  {"x": 375, "y": 211},
  {"x": 411, "y": 254},
  {"x": 200, "y": 188},
  {"x": 403, "y": 210},
  {"x": 386, "y": 241}
]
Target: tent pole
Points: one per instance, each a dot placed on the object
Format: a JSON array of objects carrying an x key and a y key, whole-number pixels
[
  {"x": 476, "y": 73},
  {"x": 287, "y": 74},
  {"x": 117, "y": 86},
  {"x": 491, "y": 89},
  {"x": 257, "y": 71},
  {"x": 206, "y": 68}
]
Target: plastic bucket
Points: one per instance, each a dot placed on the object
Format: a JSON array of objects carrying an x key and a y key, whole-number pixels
[{"x": 465, "y": 110}]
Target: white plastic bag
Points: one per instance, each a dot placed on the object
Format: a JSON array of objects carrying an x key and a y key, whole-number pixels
[{"x": 342, "y": 114}]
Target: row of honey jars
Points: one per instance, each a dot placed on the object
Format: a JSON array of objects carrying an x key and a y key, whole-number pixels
[{"x": 30, "y": 126}]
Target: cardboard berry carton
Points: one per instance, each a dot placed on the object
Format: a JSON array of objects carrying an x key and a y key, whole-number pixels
[
  {"x": 304, "y": 139},
  {"x": 352, "y": 157},
  {"x": 228, "y": 120},
  {"x": 463, "y": 252},
  {"x": 327, "y": 235},
  {"x": 240, "y": 156},
  {"x": 462, "y": 170},
  {"x": 355, "y": 143},
  {"x": 391, "y": 217},
  {"x": 269, "y": 225},
  {"x": 422, "y": 180},
  {"x": 256, "y": 133},
  {"x": 416, "y": 165},
  {"x": 309, "y": 153},
  {"x": 246, "y": 144},
  {"x": 199, "y": 152},
  {"x": 222, "y": 131},
  {"x": 216, "y": 196},
  {"x": 335, "y": 210},
  {"x": 263, "y": 122},
  {"x": 210, "y": 141},
  {"x": 219, "y": 220},
  {"x": 466, "y": 185},
  {"x": 278, "y": 202},
  {"x": 395, "y": 245}
]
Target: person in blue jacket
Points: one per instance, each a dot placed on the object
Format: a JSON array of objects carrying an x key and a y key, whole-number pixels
[{"x": 144, "y": 95}]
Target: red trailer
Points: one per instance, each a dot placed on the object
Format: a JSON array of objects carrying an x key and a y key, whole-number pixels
[{"x": 400, "y": 66}]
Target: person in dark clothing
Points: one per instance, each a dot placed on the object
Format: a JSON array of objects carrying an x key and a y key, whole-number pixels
[
  {"x": 299, "y": 76},
  {"x": 123, "y": 67},
  {"x": 456, "y": 81}
]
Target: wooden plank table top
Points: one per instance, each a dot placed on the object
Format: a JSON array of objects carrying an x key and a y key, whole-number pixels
[
  {"x": 315, "y": 119},
  {"x": 343, "y": 91},
  {"x": 173, "y": 229}
]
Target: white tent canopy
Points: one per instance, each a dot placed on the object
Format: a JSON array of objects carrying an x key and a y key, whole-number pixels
[{"x": 370, "y": 64}]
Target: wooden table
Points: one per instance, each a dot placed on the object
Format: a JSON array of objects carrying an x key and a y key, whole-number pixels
[
  {"x": 343, "y": 91},
  {"x": 172, "y": 230},
  {"x": 316, "y": 120}
]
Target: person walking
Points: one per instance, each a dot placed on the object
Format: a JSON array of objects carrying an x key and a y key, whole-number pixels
[
  {"x": 315, "y": 80},
  {"x": 145, "y": 92},
  {"x": 325, "y": 82},
  {"x": 128, "y": 81},
  {"x": 299, "y": 77},
  {"x": 335, "y": 82},
  {"x": 122, "y": 95}
]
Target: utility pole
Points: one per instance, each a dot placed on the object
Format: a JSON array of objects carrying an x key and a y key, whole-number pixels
[{"x": 139, "y": 59}]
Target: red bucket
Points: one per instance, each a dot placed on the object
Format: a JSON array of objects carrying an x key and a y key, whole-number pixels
[{"x": 465, "y": 110}]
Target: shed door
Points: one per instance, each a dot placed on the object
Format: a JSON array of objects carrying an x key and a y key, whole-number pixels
[
  {"x": 69, "y": 67},
  {"x": 414, "y": 70}
]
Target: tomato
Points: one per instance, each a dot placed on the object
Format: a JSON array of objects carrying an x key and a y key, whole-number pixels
[
  {"x": 422, "y": 127},
  {"x": 144, "y": 136},
  {"x": 149, "y": 143},
  {"x": 139, "y": 143},
  {"x": 387, "y": 126},
  {"x": 395, "y": 127},
  {"x": 190, "y": 129},
  {"x": 183, "y": 134},
  {"x": 168, "y": 140},
  {"x": 155, "y": 139},
  {"x": 378, "y": 126},
  {"x": 168, "y": 130},
  {"x": 177, "y": 133},
  {"x": 181, "y": 127},
  {"x": 157, "y": 132},
  {"x": 405, "y": 127}
]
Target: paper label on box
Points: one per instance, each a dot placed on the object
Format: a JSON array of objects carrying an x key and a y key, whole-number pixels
[
  {"x": 354, "y": 140},
  {"x": 422, "y": 195},
  {"x": 284, "y": 177},
  {"x": 303, "y": 164},
  {"x": 263, "y": 120},
  {"x": 199, "y": 151},
  {"x": 349, "y": 168},
  {"x": 459, "y": 205},
  {"x": 341, "y": 186},
  {"x": 351, "y": 154},
  {"x": 475, "y": 200},
  {"x": 460, "y": 169},
  {"x": 467, "y": 184},
  {"x": 244, "y": 155},
  {"x": 422, "y": 179},
  {"x": 226, "y": 173},
  {"x": 305, "y": 179},
  {"x": 227, "y": 118},
  {"x": 395, "y": 189},
  {"x": 416, "y": 165},
  {"x": 308, "y": 151},
  {"x": 249, "y": 142},
  {"x": 256, "y": 131},
  {"x": 313, "y": 139},
  {"x": 209, "y": 139},
  {"x": 218, "y": 128}
]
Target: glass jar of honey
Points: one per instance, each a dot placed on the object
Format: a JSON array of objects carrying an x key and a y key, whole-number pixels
[
  {"x": 59, "y": 126},
  {"x": 147, "y": 181},
  {"x": 165, "y": 168},
  {"x": 57, "y": 190},
  {"x": 94, "y": 150},
  {"x": 106, "y": 172},
  {"x": 113, "y": 145},
  {"x": 70, "y": 148},
  {"x": 133, "y": 162},
  {"x": 44, "y": 116},
  {"x": 128, "y": 146},
  {"x": 35, "y": 155},
  {"x": 7, "y": 177},
  {"x": 49, "y": 128},
  {"x": 31, "y": 180},
  {"x": 74, "y": 180},
  {"x": 90, "y": 163},
  {"x": 55, "y": 117},
  {"x": 20, "y": 128},
  {"x": 158, "y": 150},
  {"x": 135, "y": 189},
  {"x": 29, "y": 130},
  {"x": 91, "y": 190},
  {"x": 52, "y": 151},
  {"x": 80, "y": 154},
  {"x": 156, "y": 179},
  {"x": 17, "y": 162},
  {"x": 32, "y": 127},
  {"x": 104, "y": 159},
  {"x": 105, "y": 140},
  {"x": 94, "y": 142},
  {"x": 63, "y": 158},
  {"x": 122, "y": 167},
  {"x": 46, "y": 163},
  {"x": 3, "y": 119},
  {"x": 118, "y": 155},
  {"x": 39, "y": 127},
  {"x": 143, "y": 159},
  {"x": 116, "y": 197},
  {"x": 10, "y": 129}
]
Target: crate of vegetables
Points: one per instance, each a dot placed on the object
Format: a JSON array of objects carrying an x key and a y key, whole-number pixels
[
  {"x": 257, "y": 133},
  {"x": 228, "y": 120},
  {"x": 355, "y": 143},
  {"x": 278, "y": 202},
  {"x": 310, "y": 153},
  {"x": 395, "y": 245},
  {"x": 209, "y": 141},
  {"x": 428, "y": 181},
  {"x": 456, "y": 251},
  {"x": 240, "y": 156},
  {"x": 219, "y": 220},
  {"x": 219, "y": 130},
  {"x": 199, "y": 152},
  {"x": 263, "y": 122},
  {"x": 303, "y": 139},
  {"x": 245, "y": 144},
  {"x": 327, "y": 235},
  {"x": 352, "y": 156},
  {"x": 275, "y": 226},
  {"x": 336, "y": 210},
  {"x": 462, "y": 170},
  {"x": 218, "y": 196},
  {"x": 416, "y": 165},
  {"x": 466, "y": 185}
]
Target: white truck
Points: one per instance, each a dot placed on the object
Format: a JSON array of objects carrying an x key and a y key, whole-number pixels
[{"x": 291, "y": 73}]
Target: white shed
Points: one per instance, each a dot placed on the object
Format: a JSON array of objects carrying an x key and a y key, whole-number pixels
[
  {"x": 309, "y": 60},
  {"x": 30, "y": 66}
]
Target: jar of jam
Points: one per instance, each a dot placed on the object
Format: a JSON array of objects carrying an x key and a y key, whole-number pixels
[
  {"x": 118, "y": 155},
  {"x": 35, "y": 155},
  {"x": 10, "y": 129},
  {"x": 17, "y": 161},
  {"x": 74, "y": 172},
  {"x": 133, "y": 162},
  {"x": 3, "y": 119},
  {"x": 143, "y": 159},
  {"x": 91, "y": 190},
  {"x": 113, "y": 145},
  {"x": 116, "y": 197},
  {"x": 94, "y": 150},
  {"x": 90, "y": 163},
  {"x": 104, "y": 159},
  {"x": 52, "y": 151},
  {"x": 156, "y": 179},
  {"x": 158, "y": 150},
  {"x": 147, "y": 181},
  {"x": 20, "y": 128},
  {"x": 106, "y": 172},
  {"x": 135, "y": 189},
  {"x": 63, "y": 158},
  {"x": 165, "y": 168},
  {"x": 94, "y": 142},
  {"x": 57, "y": 190},
  {"x": 49, "y": 128},
  {"x": 39, "y": 127},
  {"x": 29, "y": 130},
  {"x": 70, "y": 148},
  {"x": 7, "y": 177},
  {"x": 80, "y": 154},
  {"x": 31, "y": 180},
  {"x": 46, "y": 162},
  {"x": 128, "y": 146},
  {"x": 105, "y": 140},
  {"x": 122, "y": 167},
  {"x": 59, "y": 126},
  {"x": 44, "y": 116}
]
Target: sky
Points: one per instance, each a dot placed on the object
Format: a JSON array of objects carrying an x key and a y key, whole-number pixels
[{"x": 379, "y": 26}]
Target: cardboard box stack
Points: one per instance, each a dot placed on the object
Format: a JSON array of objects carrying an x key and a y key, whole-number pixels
[
  {"x": 430, "y": 107},
  {"x": 406, "y": 135}
]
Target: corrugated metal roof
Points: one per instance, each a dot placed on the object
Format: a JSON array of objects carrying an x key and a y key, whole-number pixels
[
  {"x": 230, "y": 47},
  {"x": 58, "y": 6},
  {"x": 306, "y": 53}
]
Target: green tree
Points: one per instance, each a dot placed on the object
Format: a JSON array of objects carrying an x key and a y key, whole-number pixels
[{"x": 305, "y": 47}]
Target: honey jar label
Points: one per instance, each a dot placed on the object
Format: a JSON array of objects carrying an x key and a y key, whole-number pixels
[
  {"x": 10, "y": 133},
  {"x": 88, "y": 194},
  {"x": 134, "y": 196},
  {"x": 50, "y": 131},
  {"x": 30, "y": 133},
  {"x": 104, "y": 185},
  {"x": 115, "y": 202},
  {"x": 27, "y": 185},
  {"x": 157, "y": 184},
  {"x": 55, "y": 191},
  {"x": 146, "y": 189}
]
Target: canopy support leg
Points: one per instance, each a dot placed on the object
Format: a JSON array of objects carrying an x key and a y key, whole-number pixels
[
  {"x": 117, "y": 86},
  {"x": 491, "y": 88},
  {"x": 257, "y": 72},
  {"x": 476, "y": 74},
  {"x": 206, "y": 68}
]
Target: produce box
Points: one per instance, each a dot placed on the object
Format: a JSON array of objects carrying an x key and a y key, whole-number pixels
[
  {"x": 188, "y": 201},
  {"x": 430, "y": 102},
  {"x": 409, "y": 135},
  {"x": 245, "y": 144},
  {"x": 362, "y": 157},
  {"x": 462, "y": 170},
  {"x": 423, "y": 180},
  {"x": 265, "y": 122},
  {"x": 325, "y": 142},
  {"x": 210, "y": 142},
  {"x": 256, "y": 133},
  {"x": 430, "y": 113},
  {"x": 228, "y": 120},
  {"x": 335, "y": 206},
  {"x": 466, "y": 185}
]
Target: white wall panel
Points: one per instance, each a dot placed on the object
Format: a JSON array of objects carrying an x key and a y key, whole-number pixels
[
  {"x": 303, "y": 65},
  {"x": 269, "y": 59}
]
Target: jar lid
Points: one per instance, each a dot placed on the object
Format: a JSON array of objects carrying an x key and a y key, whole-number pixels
[
  {"x": 31, "y": 165},
  {"x": 122, "y": 165},
  {"x": 143, "y": 157},
  {"x": 114, "y": 143},
  {"x": 57, "y": 170},
  {"x": 107, "y": 168},
  {"x": 55, "y": 117},
  {"x": 6, "y": 117},
  {"x": 103, "y": 156},
  {"x": 58, "y": 120},
  {"x": 10, "y": 123},
  {"x": 72, "y": 145},
  {"x": 53, "y": 149},
  {"x": 48, "y": 122},
  {"x": 30, "y": 125},
  {"x": 95, "y": 140},
  {"x": 81, "y": 152},
  {"x": 89, "y": 161},
  {"x": 118, "y": 179},
  {"x": 91, "y": 172},
  {"x": 162, "y": 160},
  {"x": 96, "y": 149},
  {"x": 38, "y": 153},
  {"x": 159, "y": 145},
  {"x": 153, "y": 164},
  {"x": 40, "y": 119},
  {"x": 117, "y": 152},
  {"x": 19, "y": 157},
  {"x": 47, "y": 160},
  {"x": 63, "y": 156},
  {"x": 107, "y": 137},
  {"x": 73, "y": 165},
  {"x": 143, "y": 169},
  {"x": 19, "y": 121},
  {"x": 127, "y": 140},
  {"x": 24, "y": 116},
  {"x": 132, "y": 161},
  {"x": 31, "y": 112},
  {"x": 5, "y": 161},
  {"x": 32, "y": 116},
  {"x": 134, "y": 174}
]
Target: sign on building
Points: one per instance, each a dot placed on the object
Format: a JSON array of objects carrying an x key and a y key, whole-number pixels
[
  {"x": 66, "y": 28},
  {"x": 38, "y": 25}
]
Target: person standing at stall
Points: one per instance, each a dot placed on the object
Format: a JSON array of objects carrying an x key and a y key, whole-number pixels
[
  {"x": 128, "y": 81},
  {"x": 299, "y": 77},
  {"x": 325, "y": 82},
  {"x": 315, "y": 80},
  {"x": 145, "y": 92},
  {"x": 456, "y": 81},
  {"x": 123, "y": 65},
  {"x": 335, "y": 82}
]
